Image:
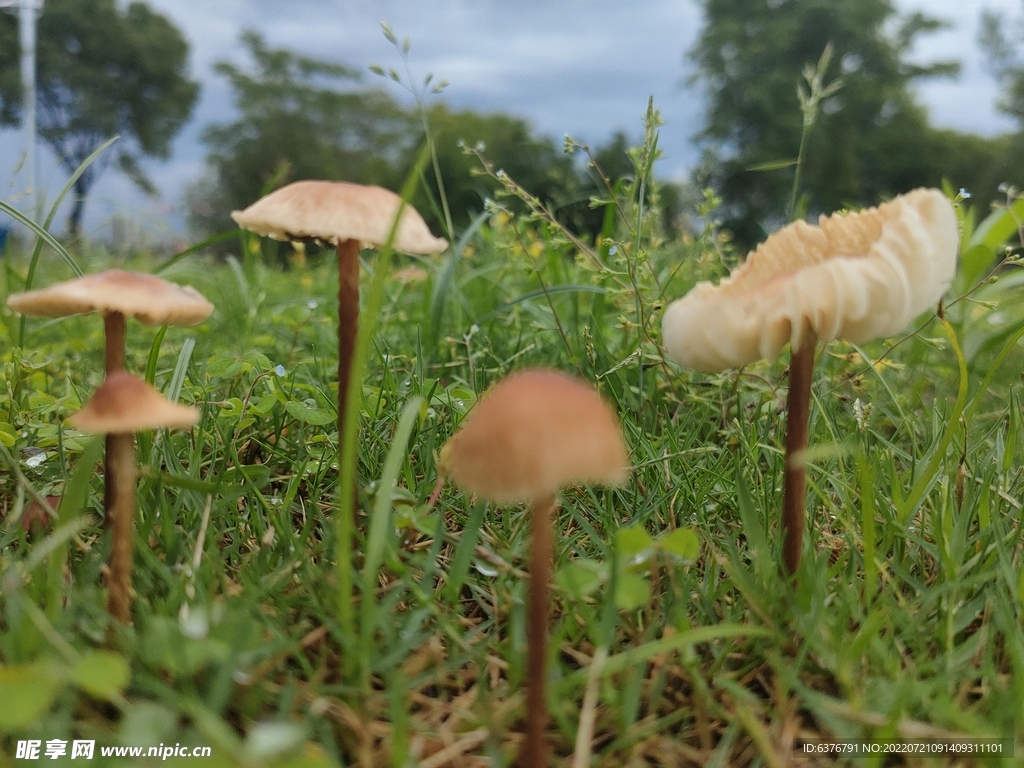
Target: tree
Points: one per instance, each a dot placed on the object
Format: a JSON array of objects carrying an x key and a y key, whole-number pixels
[
  {"x": 102, "y": 69},
  {"x": 1007, "y": 64},
  {"x": 536, "y": 163},
  {"x": 299, "y": 118},
  {"x": 866, "y": 143}
]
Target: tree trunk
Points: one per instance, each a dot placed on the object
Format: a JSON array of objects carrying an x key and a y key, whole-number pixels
[{"x": 78, "y": 207}]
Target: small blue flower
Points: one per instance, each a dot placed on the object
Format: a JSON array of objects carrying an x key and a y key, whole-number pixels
[
  {"x": 965, "y": 194},
  {"x": 279, "y": 370}
]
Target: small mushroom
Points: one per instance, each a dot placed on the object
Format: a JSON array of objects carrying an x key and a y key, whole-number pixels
[
  {"x": 529, "y": 436},
  {"x": 122, "y": 406},
  {"x": 346, "y": 216},
  {"x": 116, "y": 295},
  {"x": 857, "y": 276}
]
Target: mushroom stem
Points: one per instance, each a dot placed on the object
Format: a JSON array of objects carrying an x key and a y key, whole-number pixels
[
  {"x": 121, "y": 512},
  {"x": 798, "y": 404},
  {"x": 113, "y": 353},
  {"x": 534, "y": 750},
  {"x": 113, "y": 362}
]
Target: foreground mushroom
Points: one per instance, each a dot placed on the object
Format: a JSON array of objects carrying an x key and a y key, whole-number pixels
[
  {"x": 343, "y": 215},
  {"x": 116, "y": 295},
  {"x": 531, "y": 434},
  {"x": 122, "y": 406},
  {"x": 858, "y": 276}
]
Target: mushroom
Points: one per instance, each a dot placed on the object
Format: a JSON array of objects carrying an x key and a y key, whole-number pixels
[
  {"x": 116, "y": 295},
  {"x": 122, "y": 406},
  {"x": 857, "y": 276},
  {"x": 346, "y": 216},
  {"x": 530, "y": 435}
]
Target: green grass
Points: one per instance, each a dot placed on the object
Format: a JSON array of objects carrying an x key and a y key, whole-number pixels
[{"x": 905, "y": 620}]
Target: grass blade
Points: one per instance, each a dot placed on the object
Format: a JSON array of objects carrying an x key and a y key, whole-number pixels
[{"x": 376, "y": 538}]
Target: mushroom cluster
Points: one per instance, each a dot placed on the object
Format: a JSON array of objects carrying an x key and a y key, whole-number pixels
[
  {"x": 124, "y": 404},
  {"x": 531, "y": 434},
  {"x": 857, "y": 276}
]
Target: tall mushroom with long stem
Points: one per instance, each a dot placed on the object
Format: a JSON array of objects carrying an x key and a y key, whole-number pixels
[
  {"x": 124, "y": 405},
  {"x": 530, "y": 435},
  {"x": 346, "y": 216},
  {"x": 857, "y": 276}
]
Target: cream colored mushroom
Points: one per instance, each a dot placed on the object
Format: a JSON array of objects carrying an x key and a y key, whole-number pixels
[
  {"x": 344, "y": 215},
  {"x": 529, "y": 436},
  {"x": 857, "y": 276},
  {"x": 122, "y": 406}
]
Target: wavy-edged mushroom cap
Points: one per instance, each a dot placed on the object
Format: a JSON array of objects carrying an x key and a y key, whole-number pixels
[
  {"x": 125, "y": 404},
  {"x": 148, "y": 298},
  {"x": 857, "y": 276},
  {"x": 335, "y": 211},
  {"x": 533, "y": 433}
]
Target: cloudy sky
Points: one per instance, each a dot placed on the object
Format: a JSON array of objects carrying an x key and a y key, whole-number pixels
[{"x": 579, "y": 67}]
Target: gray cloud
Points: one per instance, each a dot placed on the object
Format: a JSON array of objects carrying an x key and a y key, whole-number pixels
[{"x": 582, "y": 67}]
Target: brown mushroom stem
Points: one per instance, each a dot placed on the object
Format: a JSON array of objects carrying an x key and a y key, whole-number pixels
[
  {"x": 121, "y": 485},
  {"x": 348, "y": 327},
  {"x": 534, "y": 750},
  {"x": 113, "y": 352},
  {"x": 798, "y": 404},
  {"x": 113, "y": 361}
]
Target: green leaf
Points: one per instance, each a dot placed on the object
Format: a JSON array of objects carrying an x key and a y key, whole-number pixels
[
  {"x": 222, "y": 367},
  {"x": 257, "y": 475},
  {"x": 681, "y": 542},
  {"x": 631, "y": 541},
  {"x": 27, "y": 691},
  {"x": 580, "y": 577},
  {"x": 315, "y": 416},
  {"x": 773, "y": 165},
  {"x": 102, "y": 674},
  {"x": 996, "y": 228},
  {"x": 753, "y": 528},
  {"x": 265, "y": 405},
  {"x": 974, "y": 262},
  {"x": 632, "y": 592}
]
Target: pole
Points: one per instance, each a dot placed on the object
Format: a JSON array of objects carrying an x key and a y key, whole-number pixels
[{"x": 28, "y": 11}]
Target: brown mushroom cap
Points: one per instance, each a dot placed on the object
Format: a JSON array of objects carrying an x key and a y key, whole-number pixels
[
  {"x": 148, "y": 298},
  {"x": 335, "y": 211},
  {"x": 125, "y": 404},
  {"x": 531, "y": 434},
  {"x": 858, "y": 276}
]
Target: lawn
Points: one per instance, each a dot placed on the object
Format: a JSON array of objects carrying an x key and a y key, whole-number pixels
[{"x": 675, "y": 637}]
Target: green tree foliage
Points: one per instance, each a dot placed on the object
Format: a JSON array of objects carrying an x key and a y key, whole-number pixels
[
  {"x": 1005, "y": 61},
  {"x": 103, "y": 68},
  {"x": 867, "y": 142},
  {"x": 303, "y": 118},
  {"x": 999, "y": 38},
  {"x": 298, "y": 118},
  {"x": 536, "y": 163}
]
